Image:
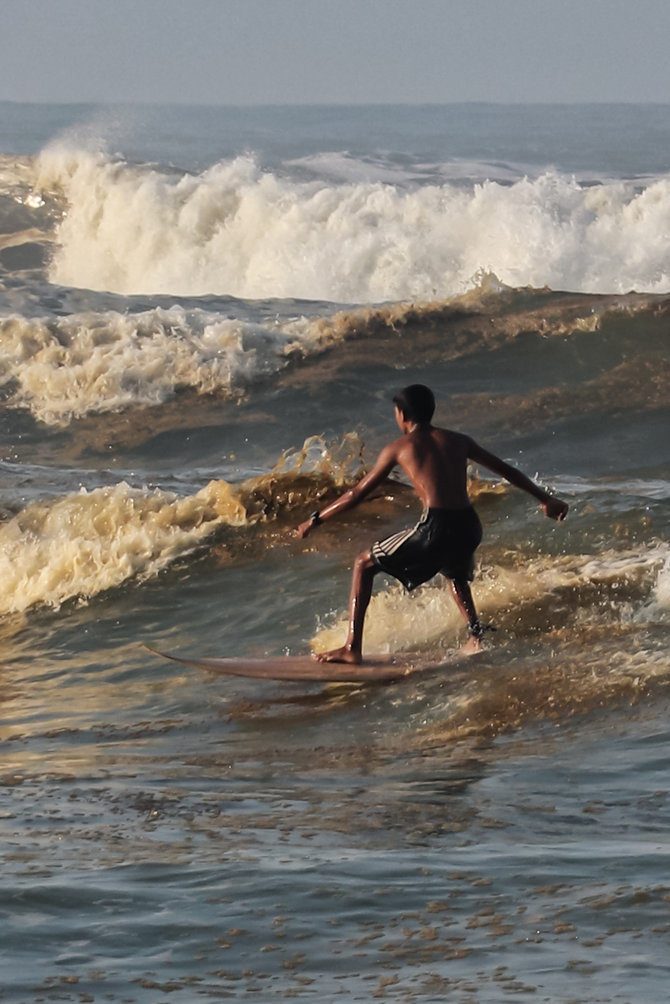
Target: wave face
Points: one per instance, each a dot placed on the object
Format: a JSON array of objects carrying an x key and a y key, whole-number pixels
[{"x": 241, "y": 230}]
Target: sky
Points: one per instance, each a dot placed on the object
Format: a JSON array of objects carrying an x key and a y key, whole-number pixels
[{"x": 251, "y": 52}]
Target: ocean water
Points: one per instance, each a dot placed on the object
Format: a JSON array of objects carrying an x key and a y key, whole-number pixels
[{"x": 204, "y": 314}]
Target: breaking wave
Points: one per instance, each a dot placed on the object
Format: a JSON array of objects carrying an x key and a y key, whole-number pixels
[{"x": 236, "y": 229}]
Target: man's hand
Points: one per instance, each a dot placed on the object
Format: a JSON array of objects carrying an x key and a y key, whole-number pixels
[{"x": 555, "y": 508}]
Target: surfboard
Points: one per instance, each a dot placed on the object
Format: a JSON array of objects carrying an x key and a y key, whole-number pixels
[{"x": 373, "y": 669}]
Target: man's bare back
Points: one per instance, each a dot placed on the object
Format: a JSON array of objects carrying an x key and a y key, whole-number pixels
[{"x": 435, "y": 460}]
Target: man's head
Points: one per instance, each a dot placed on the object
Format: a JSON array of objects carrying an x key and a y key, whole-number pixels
[{"x": 415, "y": 403}]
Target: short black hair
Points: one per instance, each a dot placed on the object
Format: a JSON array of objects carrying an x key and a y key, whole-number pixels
[{"x": 416, "y": 402}]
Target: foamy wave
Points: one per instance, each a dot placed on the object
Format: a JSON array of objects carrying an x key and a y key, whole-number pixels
[
  {"x": 519, "y": 599},
  {"x": 66, "y": 367},
  {"x": 63, "y": 368},
  {"x": 82, "y": 544},
  {"x": 237, "y": 230}
]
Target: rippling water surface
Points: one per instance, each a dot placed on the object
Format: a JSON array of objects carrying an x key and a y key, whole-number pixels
[{"x": 203, "y": 317}]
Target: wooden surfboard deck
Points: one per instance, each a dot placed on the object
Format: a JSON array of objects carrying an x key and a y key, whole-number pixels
[{"x": 303, "y": 667}]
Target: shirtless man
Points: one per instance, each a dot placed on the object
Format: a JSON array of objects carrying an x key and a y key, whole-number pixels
[{"x": 448, "y": 533}]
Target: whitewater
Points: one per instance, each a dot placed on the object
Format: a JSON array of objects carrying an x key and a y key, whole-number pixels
[{"x": 240, "y": 230}]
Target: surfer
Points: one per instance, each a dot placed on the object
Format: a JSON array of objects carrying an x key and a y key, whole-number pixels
[{"x": 447, "y": 535}]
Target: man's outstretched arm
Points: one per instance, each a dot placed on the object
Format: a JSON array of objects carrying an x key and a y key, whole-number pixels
[
  {"x": 385, "y": 463},
  {"x": 553, "y": 507}
]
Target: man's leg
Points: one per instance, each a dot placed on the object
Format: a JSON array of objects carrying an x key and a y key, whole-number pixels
[
  {"x": 461, "y": 592},
  {"x": 365, "y": 569}
]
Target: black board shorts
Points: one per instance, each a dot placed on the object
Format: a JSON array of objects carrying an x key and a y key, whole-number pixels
[{"x": 444, "y": 540}]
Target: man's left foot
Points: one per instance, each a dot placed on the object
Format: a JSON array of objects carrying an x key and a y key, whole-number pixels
[{"x": 476, "y": 632}]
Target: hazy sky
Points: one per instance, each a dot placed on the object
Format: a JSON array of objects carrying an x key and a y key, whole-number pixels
[{"x": 334, "y": 51}]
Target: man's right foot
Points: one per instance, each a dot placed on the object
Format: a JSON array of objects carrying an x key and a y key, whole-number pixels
[{"x": 343, "y": 654}]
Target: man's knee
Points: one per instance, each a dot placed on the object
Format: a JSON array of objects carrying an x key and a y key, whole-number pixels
[{"x": 364, "y": 562}]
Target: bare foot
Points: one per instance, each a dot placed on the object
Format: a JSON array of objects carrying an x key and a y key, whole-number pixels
[
  {"x": 343, "y": 654},
  {"x": 472, "y": 646}
]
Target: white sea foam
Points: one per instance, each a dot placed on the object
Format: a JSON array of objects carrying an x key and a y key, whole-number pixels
[
  {"x": 238, "y": 230},
  {"x": 661, "y": 598}
]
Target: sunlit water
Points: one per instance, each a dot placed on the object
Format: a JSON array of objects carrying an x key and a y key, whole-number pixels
[{"x": 176, "y": 320}]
